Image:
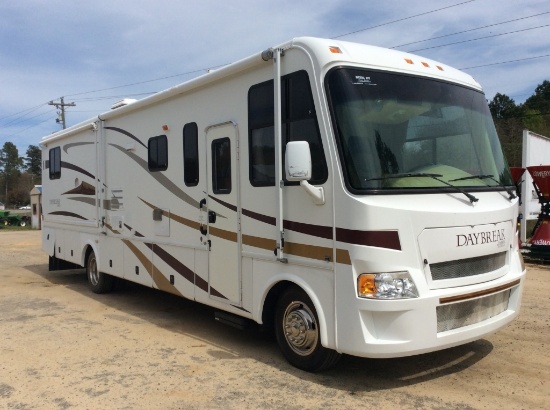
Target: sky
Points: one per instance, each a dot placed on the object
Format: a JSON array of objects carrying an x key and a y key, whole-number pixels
[{"x": 94, "y": 53}]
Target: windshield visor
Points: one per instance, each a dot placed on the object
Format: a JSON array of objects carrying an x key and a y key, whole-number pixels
[{"x": 397, "y": 131}]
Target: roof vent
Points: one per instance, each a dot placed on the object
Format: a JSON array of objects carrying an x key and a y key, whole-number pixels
[{"x": 122, "y": 103}]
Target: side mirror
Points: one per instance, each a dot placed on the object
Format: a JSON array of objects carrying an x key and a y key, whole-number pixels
[
  {"x": 298, "y": 161},
  {"x": 298, "y": 168}
]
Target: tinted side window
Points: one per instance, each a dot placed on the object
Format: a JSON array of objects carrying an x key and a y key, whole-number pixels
[
  {"x": 158, "y": 153},
  {"x": 221, "y": 166},
  {"x": 299, "y": 124},
  {"x": 55, "y": 163},
  {"x": 191, "y": 154}
]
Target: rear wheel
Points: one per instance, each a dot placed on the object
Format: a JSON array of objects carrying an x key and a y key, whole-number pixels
[
  {"x": 99, "y": 282},
  {"x": 297, "y": 332}
]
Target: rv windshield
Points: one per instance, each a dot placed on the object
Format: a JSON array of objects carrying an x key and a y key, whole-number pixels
[{"x": 393, "y": 129}]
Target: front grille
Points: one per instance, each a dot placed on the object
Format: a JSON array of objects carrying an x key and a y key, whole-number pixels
[
  {"x": 455, "y": 315},
  {"x": 468, "y": 267}
]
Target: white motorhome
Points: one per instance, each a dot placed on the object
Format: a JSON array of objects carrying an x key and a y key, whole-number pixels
[{"x": 353, "y": 197}]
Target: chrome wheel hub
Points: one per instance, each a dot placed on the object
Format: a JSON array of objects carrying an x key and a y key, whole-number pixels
[
  {"x": 300, "y": 328},
  {"x": 92, "y": 272}
]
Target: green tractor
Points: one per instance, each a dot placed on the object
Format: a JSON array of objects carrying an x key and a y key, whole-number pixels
[{"x": 13, "y": 219}]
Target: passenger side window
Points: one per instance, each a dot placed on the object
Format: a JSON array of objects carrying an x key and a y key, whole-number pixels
[
  {"x": 299, "y": 123},
  {"x": 55, "y": 163},
  {"x": 158, "y": 153},
  {"x": 191, "y": 154}
]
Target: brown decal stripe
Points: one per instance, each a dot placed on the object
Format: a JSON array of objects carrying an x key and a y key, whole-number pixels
[
  {"x": 75, "y": 144},
  {"x": 183, "y": 270},
  {"x": 226, "y": 204},
  {"x": 308, "y": 229},
  {"x": 141, "y": 257},
  {"x": 270, "y": 220},
  {"x": 159, "y": 177},
  {"x": 65, "y": 213},
  {"x": 257, "y": 242},
  {"x": 480, "y": 293},
  {"x": 127, "y": 134},
  {"x": 298, "y": 249},
  {"x": 89, "y": 201},
  {"x": 173, "y": 216},
  {"x": 378, "y": 239},
  {"x": 76, "y": 168},
  {"x": 223, "y": 234},
  {"x": 307, "y": 251},
  {"x": 83, "y": 189},
  {"x": 159, "y": 279},
  {"x": 313, "y": 230},
  {"x": 342, "y": 256},
  {"x": 109, "y": 227}
]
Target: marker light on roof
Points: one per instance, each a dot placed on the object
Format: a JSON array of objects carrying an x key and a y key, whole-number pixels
[
  {"x": 335, "y": 50},
  {"x": 410, "y": 61}
]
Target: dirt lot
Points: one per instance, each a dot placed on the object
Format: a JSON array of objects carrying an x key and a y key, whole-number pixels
[{"x": 62, "y": 347}]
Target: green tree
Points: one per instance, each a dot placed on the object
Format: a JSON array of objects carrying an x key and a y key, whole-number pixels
[
  {"x": 503, "y": 107},
  {"x": 540, "y": 100},
  {"x": 33, "y": 164},
  {"x": 10, "y": 167},
  {"x": 537, "y": 110}
]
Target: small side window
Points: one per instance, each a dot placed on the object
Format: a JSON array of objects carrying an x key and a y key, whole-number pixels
[
  {"x": 221, "y": 166},
  {"x": 158, "y": 153},
  {"x": 55, "y": 163},
  {"x": 191, "y": 154}
]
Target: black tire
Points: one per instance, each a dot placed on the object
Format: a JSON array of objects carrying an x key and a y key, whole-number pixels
[
  {"x": 99, "y": 282},
  {"x": 297, "y": 332},
  {"x": 22, "y": 222}
]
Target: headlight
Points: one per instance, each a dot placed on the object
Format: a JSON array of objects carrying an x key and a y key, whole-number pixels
[{"x": 387, "y": 285}]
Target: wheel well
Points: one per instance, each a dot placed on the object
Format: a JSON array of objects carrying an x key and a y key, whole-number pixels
[
  {"x": 270, "y": 303},
  {"x": 87, "y": 251}
]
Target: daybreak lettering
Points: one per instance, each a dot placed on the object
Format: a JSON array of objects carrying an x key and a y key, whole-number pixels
[{"x": 481, "y": 238}]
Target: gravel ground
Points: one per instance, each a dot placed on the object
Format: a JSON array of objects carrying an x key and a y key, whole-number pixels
[{"x": 61, "y": 347}]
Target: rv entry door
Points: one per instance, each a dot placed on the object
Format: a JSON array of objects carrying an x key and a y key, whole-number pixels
[{"x": 223, "y": 213}]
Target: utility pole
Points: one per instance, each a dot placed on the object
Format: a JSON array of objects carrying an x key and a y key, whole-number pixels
[{"x": 61, "y": 114}]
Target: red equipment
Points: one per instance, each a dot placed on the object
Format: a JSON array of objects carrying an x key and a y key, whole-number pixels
[{"x": 540, "y": 239}]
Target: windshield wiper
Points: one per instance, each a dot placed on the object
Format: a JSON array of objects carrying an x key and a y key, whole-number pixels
[
  {"x": 511, "y": 195},
  {"x": 424, "y": 174}
]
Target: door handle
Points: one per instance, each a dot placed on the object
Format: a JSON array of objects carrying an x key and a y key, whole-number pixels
[
  {"x": 211, "y": 217},
  {"x": 202, "y": 202}
]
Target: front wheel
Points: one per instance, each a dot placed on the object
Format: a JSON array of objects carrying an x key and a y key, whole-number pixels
[
  {"x": 297, "y": 332},
  {"x": 99, "y": 282}
]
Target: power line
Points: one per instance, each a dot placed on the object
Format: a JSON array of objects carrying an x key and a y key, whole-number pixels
[
  {"x": 479, "y": 38},
  {"x": 25, "y": 129},
  {"x": 505, "y": 62},
  {"x": 144, "y": 82},
  {"x": 403, "y": 19},
  {"x": 26, "y": 111},
  {"x": 470, "y": 30},
  {"x": 14, "y": 122}
]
